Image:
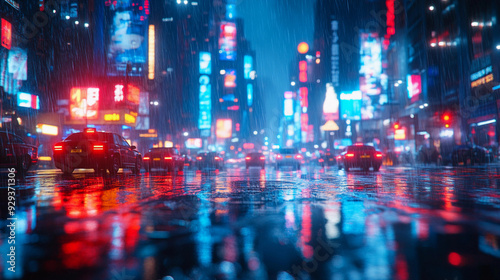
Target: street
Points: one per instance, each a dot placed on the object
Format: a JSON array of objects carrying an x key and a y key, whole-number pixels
[{"x": 400, "y": 223}]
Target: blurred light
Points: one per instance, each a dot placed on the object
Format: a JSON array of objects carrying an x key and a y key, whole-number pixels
[
  {"x": 185, "y": 2},
  {"x": 194, "y": 3},
  {"x": 498, "y": 47},
  {"x": 318, "y": 60},
  {"x": 293, "y": 84},
  {"x": 178, "y": 1},
  {"x": 412, "y": 116},
  {"x": 454, "y": 259},
  {"x": 316, "y": 146},
  {"x": 77, "y": 22},
  {"x": 54, "y": 11},
  {"x": 442, "y": 44},
  {"x": 151, "y": 52},
  {"x": 400, "y": 81},
  {"x": 396, "y": 84},
  {"x": 67, "y": 17},
  {"x": 421, "y": 106},
  {"x": 431, "y": 8},
  {"x": 433, "y": 45},
  {"x": 486, "y": 122},
  {"x": 318, "y": 81},
  {"x": 156, "y": 103},
  {"x": 446, "y": 133},
  {"x": 186, "y": 134},
  {"x": 255, "y": 132},
  {"x": 303, "y": 48},
  {"x": 474, "y": 23},
  {"x": 86, "y": 24},
  {"x": 222, "y": 72},
  {"x": 425, "y": 105}
]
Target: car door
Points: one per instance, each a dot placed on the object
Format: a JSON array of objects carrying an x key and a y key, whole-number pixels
[
  {"x": 120, "y": 149},
  {"x": 128, "y": 152}
]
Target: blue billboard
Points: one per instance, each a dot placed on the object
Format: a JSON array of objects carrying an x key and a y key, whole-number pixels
[
  {"x": 127, "y": 42},
  {"x": 227, "y": 41},
  {"x": 350, "y": 105},
  {"x": 247, "y": 66},
  {"x": 250, "y": 95},
  {"x": 205, "y": 63},
  {"x": 205, "y": 117}
]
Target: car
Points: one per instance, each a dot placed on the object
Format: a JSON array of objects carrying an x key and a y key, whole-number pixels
[
  {"x": 255, "y": 159},
  {"x": 360, "y": 156},
  {"x": 16, "y": 153},
  {"x": 470, "y": 154},
  {"x": 164, "y": 158},
  {"x": 209, "y": 160},
  {"x": 328, "y": 159},
  {"x": 100, "y": 151},
  {"x": 288, "y": 157},
  {"x": 188, "y": 160}
]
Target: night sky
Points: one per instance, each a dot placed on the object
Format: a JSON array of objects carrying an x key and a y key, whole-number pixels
[{"x": 274, "y": 29}]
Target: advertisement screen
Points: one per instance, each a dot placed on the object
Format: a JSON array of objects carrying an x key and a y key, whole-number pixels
[
  {"x": 17, "y": 63},
  {"x": 84, "y": 102},
  {"x": 250, "y": 95},
  {"x": 224, "y": 128},
  {"x": 350, "y": 105},
  {"x": 227, "y": 41},
  {"x": 205, "y": 63},
  {"x": 194, "y": 143},
  {"x": 6, "y": 34},
  {"x": 205, "y": 117},
  {"x": 288, "y": 107},
  {"x": 247, "y": 66},
  {"x": 230, "y": 78},
  {"x": 331, "y": 104},
  {"x": 127, "y": 38},
  {"x": 370, "y": 74},
  {"x": 414, "y": 87},
  {"x": 27, "y": 100}
]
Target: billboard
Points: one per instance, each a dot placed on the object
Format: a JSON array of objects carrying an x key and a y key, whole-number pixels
[
  {"x": 6, "y": 34},
  {"x": 227, "y": 41},
  {"x": 250, "y": 95},
  {"x": 84, "y": 103},
  {"x": 331, "y": 104},
  {"x": 127, "y": 38},
  {"x": 194, "y": 143},
  {"x": 17, "y": 63},
  {"x": 247, "y": 66},
  {"x": 414, "y": 83},
  {"x": 27, "y": 100},
  {"x": 230, "y": 78},
  {"x": 224, "y": 128},
  {"x": 205, "y": 116},
  {"x": 350, "y": 105}
]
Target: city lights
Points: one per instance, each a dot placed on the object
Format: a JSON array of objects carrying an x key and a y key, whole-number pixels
[{"x": 151, "y": 52}]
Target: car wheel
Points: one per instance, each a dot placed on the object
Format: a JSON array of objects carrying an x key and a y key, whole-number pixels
[
  {"x": 137, "y": 167},
  {"x": 24, "y": 165},
  {"x": 113, "y": 170}
]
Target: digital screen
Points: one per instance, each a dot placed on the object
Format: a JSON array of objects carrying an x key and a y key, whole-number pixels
[
  {"x": 194, "y": 143},
  {"x": 205, "y": 117},
  {"x": 370, "y": 74},
  {"x": 230, "y": 78},
  {"x": 350, "y": 105},
  {"x": 288, "y": 107},
  {"x": 6, "y": 34},
  {"x": 27, "y": 100},
  {"x": 247, "y": 66},
  {"x": 227, "y": 41},
  {"x": 331, "y": 104},
  {"x": 84, "y": 102},
  {"x": 414, "y": 83},
  {"x": 18, "y": 63},
  {"x": 205, "y": 63},
  {"x": 224, "y": 128},
  {"x": 250, "y": 95},
  {"x": 127, "y": 38}
]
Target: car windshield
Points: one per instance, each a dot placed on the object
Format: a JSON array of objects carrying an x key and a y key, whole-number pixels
[
  {"x": 80, "y": 136},
  {"x": 255, "y": 154},
  {"x": 360, "y": 149}
]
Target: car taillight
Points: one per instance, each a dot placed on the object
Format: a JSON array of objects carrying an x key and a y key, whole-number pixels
[
  {"x": 216, "y": 158},
  {"x": 279, "y": 156},
  {"x": 98, "y": 147},
  {"x": 262, "y": 158},
  {"x": 339, "y": 157},
  {"x": 198, "y": 158},
  {"x": 248, "y": 158},
  {"x": 146, "y": 158},
  {"x": 349, "y": 155},
  {"x": 298, "y": 156},
  {"x": 168, "y": 158},
  {"x": 58, "y": 148},
  {"x": 379, "y": 155}
]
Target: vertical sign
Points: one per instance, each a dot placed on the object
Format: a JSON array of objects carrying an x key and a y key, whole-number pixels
[
  {"x": 205, "y": 115},
  {"x": 6, "y": 34},
  {"x": 151, "y": 52},
  {"x": 335, "y": 54}
]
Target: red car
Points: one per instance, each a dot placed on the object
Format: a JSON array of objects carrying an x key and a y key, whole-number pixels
[
  {"x": 360, "y": 156},
  {"x": 96, "y": 150},
  {"x": 164, "y": 158},
  {"x": 16, "y": 153}
]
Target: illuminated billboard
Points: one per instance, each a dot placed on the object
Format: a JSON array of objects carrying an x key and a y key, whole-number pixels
[
  {"x": 414, "y": 83},
  {"x": 224, "y": 128},
  {"x": 350, "y": 105},
  {"x": 127, "y": 38},
  {"x": 288, "y": 108},
  {"x": 205, "y": 115},
  {"x": 230, "y": 78},
  {"x": 84, "y": 103},
  {"x": 194, "y": 143},
  {"x": 18, "y": 63},
  {"x": 6, "y": 34},
  {"x": 205, "y": 63},
  {"x": 247, "y": 66},
  {"x": 331, "y": 104},
  {"x": 227, "y": 41},
  {"x": 27, "y": 100},
  {"x": 370, "y": 74},
  {"x": 250, "y": 95},
  {"x": 133, "y": 95}
]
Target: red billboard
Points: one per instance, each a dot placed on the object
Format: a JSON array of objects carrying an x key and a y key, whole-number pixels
[
  {"x": 84, "y": 103},
  {"x": 6, "y": 34},
  {"x": 414, "y": 87}
]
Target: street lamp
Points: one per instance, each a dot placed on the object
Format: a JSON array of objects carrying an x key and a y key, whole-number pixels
[{"x": 186, "y": 134}]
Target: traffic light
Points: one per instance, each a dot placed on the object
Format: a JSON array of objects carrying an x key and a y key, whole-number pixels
[
  {"x": 396, "y": 125},
  {"x": 447, "y": 120}
]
